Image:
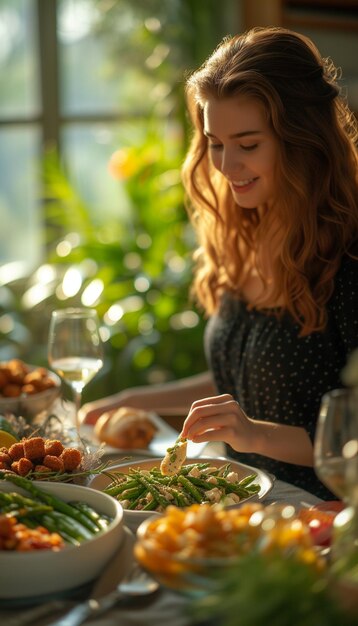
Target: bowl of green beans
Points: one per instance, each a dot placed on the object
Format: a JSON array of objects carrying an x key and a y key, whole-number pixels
[
  {"x": 59, "y": 538},
  {"x": 143, "y": 491}
]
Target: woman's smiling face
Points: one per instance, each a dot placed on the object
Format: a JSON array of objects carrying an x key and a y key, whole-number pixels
[{"x": 244, "y": 148}]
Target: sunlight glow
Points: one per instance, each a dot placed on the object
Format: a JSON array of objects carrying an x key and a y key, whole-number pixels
[
  {"x": 114, "y": 314},
  {"x": 63, "y": 248},
  {"x": 45, "y": 274},
  {"x": 141, "y": 284},
  {"x": 92, "y": 292},
  {"x": 6, "y": 324},
  {"x": 186, "y": 319},
  {"x": 12, "y": 271},
  {"x": 35, "y": 295},
  {"x": 132, "y": 261},
  {"x": 157, "y": 57},
  {"x": 72, "y": 282},
  {"x": 76, "y": 20}
]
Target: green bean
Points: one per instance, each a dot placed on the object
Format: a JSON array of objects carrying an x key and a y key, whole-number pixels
[
  {"x": 150, "y": 506},
  {"x": 134, "y": 504},
  {"x": 253, "y": 488},
  {"x": 188, "y": 486},
  {"x": 101, "y": 521},
  {"x": 71, "y": 526},
  {"x": 200, "y": 482},
  {"x": 247, "y": 480},
  {"x": 26, "y": 512},
  {"x": 52, "y": 526},
  {"x": 115, "y": 489},
  {"x": 232, "y": 487},
  {"x": 153, "y": 490},
  {"x": 134, "y": 492},
  {"x": 180, "y": 498}
]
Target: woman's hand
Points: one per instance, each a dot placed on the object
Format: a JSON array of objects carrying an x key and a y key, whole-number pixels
[
  {"x": 91, "y": 411},
  {"x": 220, "y": 418}
]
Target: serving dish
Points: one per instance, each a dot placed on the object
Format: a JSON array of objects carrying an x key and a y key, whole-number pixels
[
  {"x": 133, "y": 519},
  {"x": 47, "y": 572},
  {"x": 190, "y": 550},
  {"x": 31, "y": 405}
]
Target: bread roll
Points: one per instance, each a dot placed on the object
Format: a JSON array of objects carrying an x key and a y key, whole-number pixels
[{"x": 126, "y": 428}]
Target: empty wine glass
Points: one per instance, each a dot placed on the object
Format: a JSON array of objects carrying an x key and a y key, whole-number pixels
[
  {"x": 336, "y": 444},
  {"x": 75, "y": 350}
]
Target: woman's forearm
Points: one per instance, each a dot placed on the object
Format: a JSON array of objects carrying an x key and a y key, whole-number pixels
[
  {"x": 290, "y": 444},
  {"x": 175, "y": 396}
]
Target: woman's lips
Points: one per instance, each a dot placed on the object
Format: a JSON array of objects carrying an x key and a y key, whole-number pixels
[{"x": 244, "y": 185}]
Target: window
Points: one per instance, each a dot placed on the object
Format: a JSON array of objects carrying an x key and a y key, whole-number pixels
[{"x": 73, "y": 74}]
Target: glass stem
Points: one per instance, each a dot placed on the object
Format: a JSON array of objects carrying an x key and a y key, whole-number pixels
[{"x": 77, "y": 396}]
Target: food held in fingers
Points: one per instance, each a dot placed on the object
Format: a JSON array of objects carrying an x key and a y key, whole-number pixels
[{"x": 174, "y": 458}]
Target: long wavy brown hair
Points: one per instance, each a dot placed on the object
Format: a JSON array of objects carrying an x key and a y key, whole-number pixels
[{"x": 317, "y": 182}]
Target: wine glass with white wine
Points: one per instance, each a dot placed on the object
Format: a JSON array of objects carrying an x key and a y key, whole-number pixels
[
  {"x": 336, "y": 444},
  {"x": 75, "y": 350}
]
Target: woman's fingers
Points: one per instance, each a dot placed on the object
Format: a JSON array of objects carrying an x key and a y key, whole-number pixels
[
  {"x": 210, "y": 413},
  {"x": 224, "y": 397},
  {"x": 219, "y": 418}
]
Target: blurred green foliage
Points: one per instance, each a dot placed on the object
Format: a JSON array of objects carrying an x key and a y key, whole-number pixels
[
  {"x": 140, "y": 264},
  {"x": 135, "y": 268}
]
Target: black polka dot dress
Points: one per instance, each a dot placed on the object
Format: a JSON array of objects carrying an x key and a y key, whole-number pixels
[{"x": 278, "y": 376}]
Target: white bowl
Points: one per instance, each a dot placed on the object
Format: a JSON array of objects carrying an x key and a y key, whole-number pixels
[
  {"x": 28, "y": 406},
  {"x": 46, "y": 572},
  {"x": 133, "y": 519}
]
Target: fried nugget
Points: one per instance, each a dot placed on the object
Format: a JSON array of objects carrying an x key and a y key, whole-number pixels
[
  {"x": 71, "y": 458},
  {"x": 24, "y": 466},
  {"x": 5, "y": 458},
  {"x": 34, "y": 448},
  {"x": 55, "y": 463},
  {"x": 46, "y": 383},
  {"x": 29, "y": 389},
  {"x": 53, "y": 447},
  {"x": 3, "y": 379},
  {"x": 11, "y": 390},
  {"x": 16, "y": 451},
  {"x": 33, "y": 378},
  {"x": 41, "y": 469},
  {"x": 18, "y": 364}
]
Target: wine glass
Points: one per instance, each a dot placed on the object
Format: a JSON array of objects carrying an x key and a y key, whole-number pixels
[
  {"x": 336, "y": 444},
  {"x": 75, "y": 350}
]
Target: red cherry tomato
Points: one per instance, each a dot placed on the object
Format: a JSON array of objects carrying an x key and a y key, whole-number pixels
[{"x": 320, "y": 524}]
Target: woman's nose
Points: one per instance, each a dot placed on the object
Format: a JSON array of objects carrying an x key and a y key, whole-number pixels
[{"x": 230, "y": 163}]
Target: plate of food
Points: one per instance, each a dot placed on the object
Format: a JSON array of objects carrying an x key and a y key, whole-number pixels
[
  {"x": 64, "y": 538},
  {"x": 27, "y": 390},
  {"x": 143, "y": 491}
]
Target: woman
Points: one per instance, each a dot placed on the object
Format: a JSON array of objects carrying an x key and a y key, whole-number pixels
[{"x": 271, "y": 177}]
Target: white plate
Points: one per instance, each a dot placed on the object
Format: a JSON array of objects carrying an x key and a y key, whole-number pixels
[
  {"x": 132, "y": 519},
  {"x": 46, "y": 572},
  {"x": 163, "y": 439}
]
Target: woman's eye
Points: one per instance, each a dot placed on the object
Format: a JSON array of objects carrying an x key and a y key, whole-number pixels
[
  {"x": 248, "y": 148},
  {"x": 215, "y": 146}
]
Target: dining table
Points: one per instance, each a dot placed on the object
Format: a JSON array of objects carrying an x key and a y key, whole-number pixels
[{"x": 163, "y": 607}]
